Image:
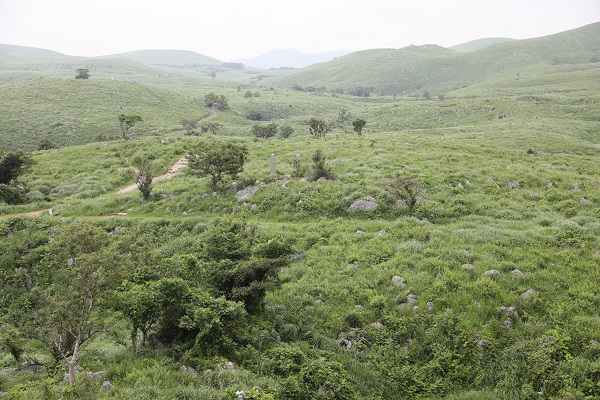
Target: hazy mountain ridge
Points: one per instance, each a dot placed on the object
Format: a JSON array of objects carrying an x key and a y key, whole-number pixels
[
  {"x": 291, "y": 58},
  {"x": 479, "y": 44}
]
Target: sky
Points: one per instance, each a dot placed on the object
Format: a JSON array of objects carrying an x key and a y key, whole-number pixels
[{"x": 232, "y": 29}]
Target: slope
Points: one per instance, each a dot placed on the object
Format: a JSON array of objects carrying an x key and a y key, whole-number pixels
[
  {"x": 165, "y": 57},
  {"x": 411, "y": 70}
]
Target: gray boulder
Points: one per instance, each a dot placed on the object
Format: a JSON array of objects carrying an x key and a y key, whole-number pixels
[
  {"x": 367, "y": 204},
  {"x": 246, "y": 194}
]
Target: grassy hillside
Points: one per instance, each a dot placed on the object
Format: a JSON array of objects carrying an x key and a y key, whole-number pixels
[
  {"x": 30, "y": 53},
  {"x": 478, "y": 44},
  {"x": 489, "y": 288},
  {"x": 166, "y": 57},
  {"x": 414, "y": 69}
]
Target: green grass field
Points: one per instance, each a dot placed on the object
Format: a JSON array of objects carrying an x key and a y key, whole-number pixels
[{"x": 507, "y": 171}]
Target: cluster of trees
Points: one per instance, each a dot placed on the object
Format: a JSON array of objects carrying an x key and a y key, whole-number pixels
[
  {"x": 12, "y": 165},
  {"x": 220, "y": 102},
  {"x": 74, "y": 278}
]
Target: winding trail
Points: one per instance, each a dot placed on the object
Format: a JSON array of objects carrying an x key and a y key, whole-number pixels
[{"x": 173, "y": 170}]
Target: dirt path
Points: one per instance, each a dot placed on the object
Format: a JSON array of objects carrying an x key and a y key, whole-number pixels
[{"x": 175, "y": 168}]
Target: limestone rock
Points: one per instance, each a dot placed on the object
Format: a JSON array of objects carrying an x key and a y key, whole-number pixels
[
  {"x": 351, "y": 266},
  {"x": 246, "y": 194},
  {"x": 106, "y": 386},
  {"x": 528, "y": 294},
  {"x": 367, "y": 204},
  {"x": 516, "y": 273},
  {"x": 398, "y": 281},
  {"x": 492, "y": 273},
  {"x": 513, "y": 185},
  {"x": 585, "y": 201}
]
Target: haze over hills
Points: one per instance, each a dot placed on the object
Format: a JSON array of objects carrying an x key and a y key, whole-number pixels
[
  {"x": 165, "y": 57},
  {"x": 479, "y": 44},
  {"x": 291, "y": 58}
]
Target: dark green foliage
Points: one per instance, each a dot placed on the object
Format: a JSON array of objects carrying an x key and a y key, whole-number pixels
[
  {"x": 406, "y": 189},
  {"x": 286, "y": 131},
  {"x": 358, "y": 125},
  {"x": 126, "y": 122},
  {"x": 243, "y": 266},
  {"x": 317, "y": 127},
  {"x": 192, "y": 127},
  {"x": 248, "y": 94},
  {"x": 47, "y": 144},
  {"x": 83, "y": 73},
  {"x": 12, "y": 194},
  {"x": 264, "y": 131},
  {"x": 219, "y": 102},
  {"x": 216, "y": 159},
  {"x": 13, "y": 164},
  {"x": 320, "y": 168},
  {"x": 144, "y": 180}
]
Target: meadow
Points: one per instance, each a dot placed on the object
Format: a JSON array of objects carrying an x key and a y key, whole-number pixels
[{"x": 488, "y": 289}]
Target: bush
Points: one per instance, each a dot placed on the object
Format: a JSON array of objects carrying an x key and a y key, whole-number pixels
[{"x": 12, "y": 194}]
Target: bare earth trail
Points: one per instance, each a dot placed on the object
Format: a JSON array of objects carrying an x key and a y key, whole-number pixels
[{"x": 173, "y": 169}]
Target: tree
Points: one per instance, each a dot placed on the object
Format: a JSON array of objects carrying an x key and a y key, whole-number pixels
[
  {"x": 80, "y": 269},
  {"x": 212, "y": 127},
  {"x": 358, "y": 125},
  {"x": 265, "y": 132},
  {"x": 318, "y": 127},
  {"x": 82, "y": 73},
  {"x": 47, "y": 144},
  {"x": 217, "y": 159},
  {"x": 427, "y": 95},
  {"x": 242, "y": 264},
  {"x": 191, "y": 126},
  {"x": 248, "y": 94},
  {"x": 144, "y": 180},
  {"x": 219, "y": 102},
  {"x": 286, "y": 131},
  {"x": 320, "y": 168},
  {"x": 406, "y": 189},
  {"x": 13, "y": 164},
  {"x": 127, "y": 122}
]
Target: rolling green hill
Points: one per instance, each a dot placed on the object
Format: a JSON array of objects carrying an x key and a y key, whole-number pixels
[
  {"x": 479, "y": 44},
  {"x": 413, "y": 69},
  {"x": 30, "y": 53}
]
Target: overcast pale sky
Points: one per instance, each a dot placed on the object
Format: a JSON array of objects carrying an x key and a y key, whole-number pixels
[{"x": 229, "y": 29}]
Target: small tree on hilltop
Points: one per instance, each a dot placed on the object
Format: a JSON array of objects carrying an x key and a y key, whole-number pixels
[
  {"x": 217, "y": 159},
  {"x": 127, "y": 122},
  {"x": 358, "y": 125},
  {"x": 82, "y": 73}
]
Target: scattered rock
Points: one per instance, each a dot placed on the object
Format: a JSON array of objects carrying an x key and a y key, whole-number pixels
[
  {"x": 377, "y": 325},
  {"x": 489, "y": 180},
  {"x": 189, "y": 370},
  {"x": 106, "y": 386},
  {"x": 351, "y": 266},
  {"x": 401, "y": 203},
  {"x": 359, "y": 232},
  {"x": 438, "y": 275},
  {"x": 410, "y": 300},
  {"x": 577, "y": 186},
  {"x": 318, "y": 302},
  {"x": 240, "y": 394},
  {"x": 429, "y": 305},
  {"x": 381, "y": 232},
  {"x": 528, "y": 294},
  {"x": 468, "y": 266},
  {"x": 367, "y": 204},
  {"x": 492, "y": 272},
  {"x": 416, "y": 310},
  {"x": 585, "y": 201},
  {"x": 594, "y": 343},
  {"x": 513, "y": 185},
  {"x": 507, "y": 310},
  {"x": 460, "y": 186},
  {"x": 322, "y": 179},
  {"x": 117, "y": 230},
  {"x": 552, "y": 185},
  {"x": 246, "y": 193},
  {"x": 229, "y": 365},
  {"x": 516, "y": 273},
  {"x": 467, "y": 182},
  {"x": 508, "y": 322},
  {"x": 398, "y": 281}
]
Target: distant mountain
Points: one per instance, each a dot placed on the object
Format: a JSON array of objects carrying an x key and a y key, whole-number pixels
[
  {"x": 30, "y": 53},
  {"x": 165, "y": 57},
  {"x": 479, "y": 44},
  {"x": 413, "y": 69},
  {"x": 290, "y": 58}
]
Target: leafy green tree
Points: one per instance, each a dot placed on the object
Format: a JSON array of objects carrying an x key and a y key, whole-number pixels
[
  {"x": 47, "y": 144},
  {"x": 286, "y": 131},
  {"x": 427, "y": 95},
  {"x": 264, "y": 131},
  {"x": 127, "y": 122},
  {"x": 191, "y": 127},
  {"x": 248, "y": 94},
  {"x": 358, "y": 125},
  {"x": 212, "y": 127},
  {"x": 13, "y": 164},
  {"x": 80, "y": 270},
  {"x": 215, "y": 159},
  {"x": 242, "y": 265},
  {"x": 219, "y": 102},
  {"x": 317, "y": 127}
]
